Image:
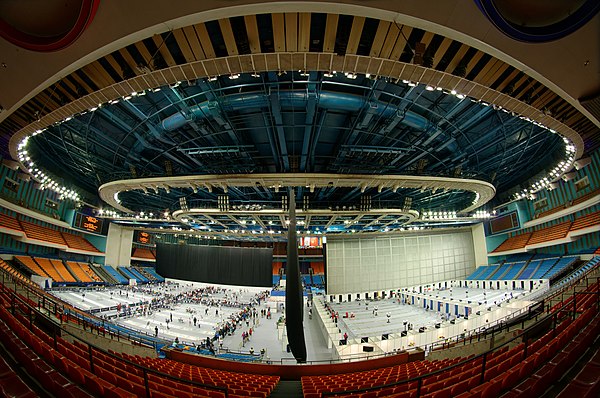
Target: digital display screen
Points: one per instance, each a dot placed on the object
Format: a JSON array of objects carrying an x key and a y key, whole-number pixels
[
  {"x": 88, "y": 223},
  {"x": 143, "y": 237},
  {"x": 310, "y": 241},
  {"x": 504, "y": 223}
]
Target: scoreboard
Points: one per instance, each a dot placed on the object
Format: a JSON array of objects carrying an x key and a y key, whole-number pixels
[
  {"x": 144, "y": 238},
  {"x": 505, "y": 223},
  {"x": 88, "y": 223}
]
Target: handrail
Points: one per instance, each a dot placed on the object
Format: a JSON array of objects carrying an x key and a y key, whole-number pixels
[
  {"x": 524, "y": 333},
  {"x": 91, "y": 347},
  {"x": 136, "y": 337}
]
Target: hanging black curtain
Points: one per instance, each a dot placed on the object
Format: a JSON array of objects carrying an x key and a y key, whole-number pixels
[
  {"x": 240, "y": 266},
  {"x": 293, "y": 291}
]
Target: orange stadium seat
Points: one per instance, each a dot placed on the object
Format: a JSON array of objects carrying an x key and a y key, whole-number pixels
[
  {"x": 49, "y": 269},
  {"x": 34, "y": 231},
  {"x": 78, "y": 242},
  {"x": 79, "y": 272},
  {"x": 32, "y": 265},
  {"x": 9, "y": 222},
  {"x": 547, "y": 234},
  {"x": 514, "y": 242},
  {"x": 143, "y": 253},
  {"x": 586, "y": 221}
]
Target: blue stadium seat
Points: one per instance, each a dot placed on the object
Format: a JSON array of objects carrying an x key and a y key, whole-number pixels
[
  {"x": 513, "y": 270},
  {"x": 116, "y": 276},
  {"x": 563, "y": 263},
  {"x": 138, "y": 275},
  {"x": 544, "y": 267},
  {"x": 155, "y": 274}
]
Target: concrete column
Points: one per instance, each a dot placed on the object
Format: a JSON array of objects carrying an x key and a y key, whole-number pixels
[
  {"x": 479, "y": 246},
  {"x": 118, "y": 246}
]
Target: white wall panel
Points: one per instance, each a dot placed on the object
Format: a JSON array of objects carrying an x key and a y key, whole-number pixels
[{"x": 361, "y": 264}]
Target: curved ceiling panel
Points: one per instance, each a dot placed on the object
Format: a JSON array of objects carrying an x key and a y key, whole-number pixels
[
  {"x": 49, "y": 26},
  {"x": 538, "y": 21}
]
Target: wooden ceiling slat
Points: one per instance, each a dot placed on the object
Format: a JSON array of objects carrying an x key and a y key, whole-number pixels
[
  {"x": 571, "y": 120},
  {"x": 401, "y": 42},
  {"x": 390, "y": 41},
  {"x": 69, "y": 84},
  {"x": 103, "y": 73},
  {"x": 252, "y": 31},
  {"x": 474, "y": 61},
  {"x": 31, "y": 109},
  {"x": 426, "y": 39},
  {"x": 291, "y": 32},
  {"x": 489, "y": 68},
  {"x": 457, "y": 58},
  {"x": 439, "y": 54},
  {"x": 81, "y": 82},
  {"x": 521, "y": 81},
  {"x": 195, "y": 46},
  {"x": 94, "y": 76},
  {"x": 130, "y": 61},
  {"x": 508, "y": 79},
  {"x": 501, "y": 68},
  {"x": 184, "y": 46},
  {"x": 115, "y": 65},
  {"x": 204, "y": 39},
  {"x": 544, "y": 98},
  {"x": 228, "y": 36},
  {"x": 379, "y": 38},
  {"x": 143, "y": 50},
  {"x": 64, "y": 92},
  {"x": 163, "y": 50},
  {"x": 536, "y": 93},
  {"x": 304, "y": 31},
  {"x": 561, "y": 108},
  {"x": 554, "y": 102},
  {"x": 278, "y": 32},
  {"x": 47, "y": 102},
  {"x": 330, "y": 32},
  {"x": 525, "y": 88},
  {"x": 19, "y": 121},
  {"x": 355, "y": 32}
]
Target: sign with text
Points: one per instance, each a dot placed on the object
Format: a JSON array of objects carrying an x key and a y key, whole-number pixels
[{"x": 88, "y": 223}]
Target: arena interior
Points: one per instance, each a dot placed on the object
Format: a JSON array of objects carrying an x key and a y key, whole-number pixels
[{"x": 299, "y": 199}]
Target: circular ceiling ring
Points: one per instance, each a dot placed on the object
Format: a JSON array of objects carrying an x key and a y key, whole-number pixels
[
  {"x": 39, "y": 43},
  {"x": 563, "y": 25}
]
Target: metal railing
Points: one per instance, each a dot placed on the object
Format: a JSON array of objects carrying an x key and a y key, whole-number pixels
[
  {"x": 524, "y": 335},
  {"x": 113, "y": 331},
  {"x": 18, "y": 303}
]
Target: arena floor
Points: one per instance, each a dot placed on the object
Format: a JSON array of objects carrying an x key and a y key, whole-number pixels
[{"x": 365, "y": 318}]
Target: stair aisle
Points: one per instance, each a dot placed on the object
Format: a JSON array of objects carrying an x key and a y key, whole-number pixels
[{"x": 288, "y": 389}]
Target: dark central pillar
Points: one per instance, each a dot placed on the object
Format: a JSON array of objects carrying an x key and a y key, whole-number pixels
[{"x": 294, "y": 305}]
